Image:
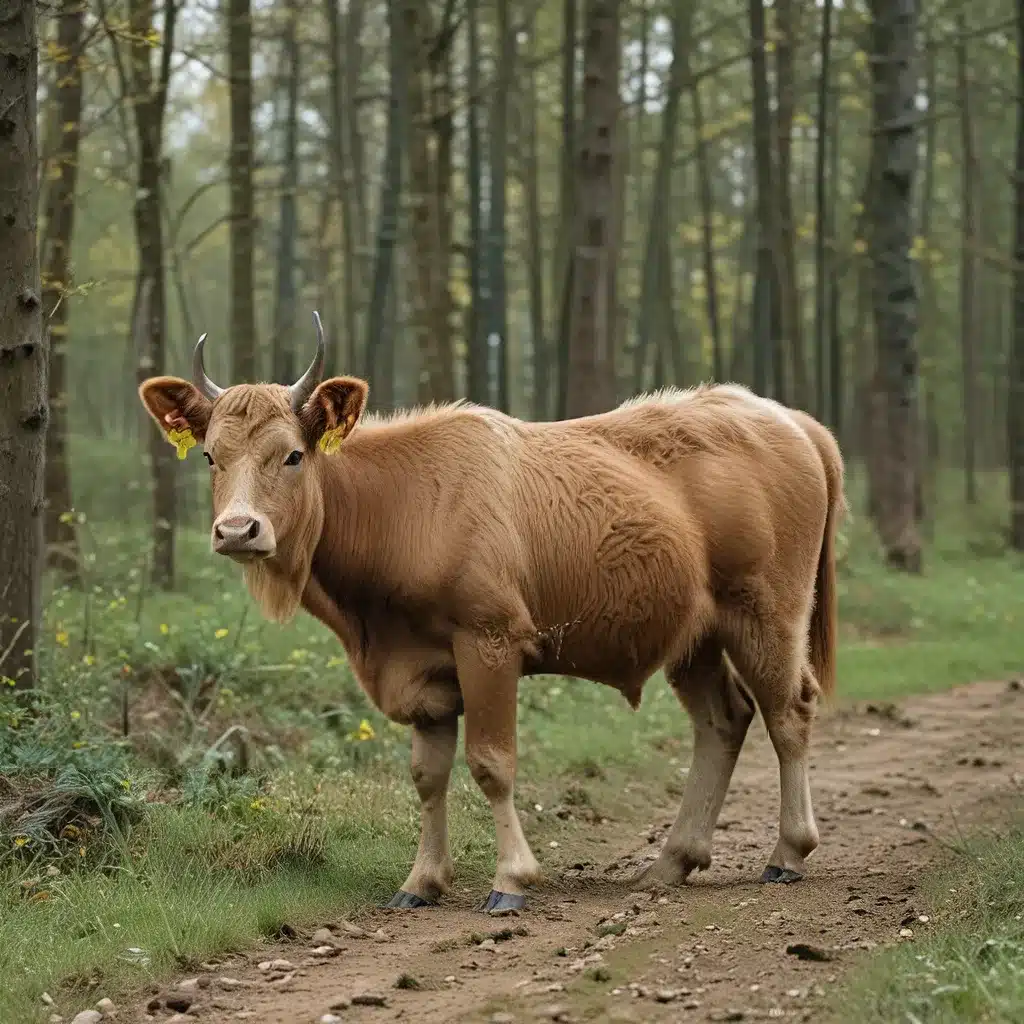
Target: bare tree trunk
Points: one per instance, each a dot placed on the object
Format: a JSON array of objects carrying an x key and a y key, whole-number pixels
[
  {"x": 542, "y": 368},
  {"x": 766, "y": 290},
  {"x": 968, "y": 283},
  {"x": 824, "y": 409},
  {"x": 562, "y": 264},
  {"x": 591, "y": 360},
  {"x": 789, "y": 292},
  {"x": 286, "y": 300},
  {"x": 893, "y": 31},
  {"x": 1015, "y": 399},
  {"x": 478, "y": 383},
  {"x": 390, "y": 195},
  {"x": 23, "y": 352},
  {"x": 496, "y": 228},
  {"x": 928, "y": 315},
  {"x": 243, "y": 210},
  {"x": 62, "y": 176}
]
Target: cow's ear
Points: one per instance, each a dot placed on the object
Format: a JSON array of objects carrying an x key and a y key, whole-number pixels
[
  {"x": 333, "y": 410},
  {"x": 177, "y": 407}
]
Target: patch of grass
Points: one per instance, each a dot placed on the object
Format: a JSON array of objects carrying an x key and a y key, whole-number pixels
[
  {"x": 225, "y": 775},
  {"x": 967, "y": 963}
]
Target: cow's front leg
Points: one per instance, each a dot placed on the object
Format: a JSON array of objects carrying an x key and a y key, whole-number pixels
[
  {"x": 433, "y": 753},
  {"x": 489, "y": 685}
]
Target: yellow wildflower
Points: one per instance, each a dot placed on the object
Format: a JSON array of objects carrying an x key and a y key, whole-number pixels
[
  {"x": 221, "y": 633},
  {"x": 164, "y": 628},
  {"x": 62, "y": 637},
  {"x": 365, "y": 731}
]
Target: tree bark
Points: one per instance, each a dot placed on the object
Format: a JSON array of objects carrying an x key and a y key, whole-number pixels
[
  {"x": 894, "y": 143},
  {"x": 149, "y": 101},
  {"x": 561, "y": 290},
  {"x": 478, "y": 383},
  {"x": 789, "y": 291},
  {"x": 824, "y": 408},
  {"x": 968, "y": 277},
  {"x": 1015, "y": 399},
  {"x": 62, "y": 175},
  {"x": 542, "y": 368},
  {"x": 591, "y": 361},
  {"x": 496, "y": 228},
  {"x": 286, "y": 302},
  {"x": 23, "y": 351},
  {"x": 240, "y": 184},
  {"x": 390, "y": 196}
]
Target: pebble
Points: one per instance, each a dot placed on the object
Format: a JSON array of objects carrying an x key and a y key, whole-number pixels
[
  {"x": 47, "y": 998},
  {"x": 502, "y": 1018},
  {"x": 88, "y": 1017},
  {"x": 323, "y": 951},
  {"x": 106, "y": 1007},
  {"x": 277, "y": 965},
  {"x": 188, "y": 984},
  {"x": 322, "y": 936},
  {"x": 329, "y": 1018}
]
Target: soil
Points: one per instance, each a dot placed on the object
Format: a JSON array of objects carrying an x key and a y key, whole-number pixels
[{"x": 894, "y": 788}]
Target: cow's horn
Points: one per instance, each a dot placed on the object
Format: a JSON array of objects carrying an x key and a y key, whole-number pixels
[
  {"x": 303, "y": 387},
  {"x": 199, "y": 378}
]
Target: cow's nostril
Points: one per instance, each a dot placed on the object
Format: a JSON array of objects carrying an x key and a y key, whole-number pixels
[
  {"x": 217, "y": 533},
  {"x": 254, "y": 530}
]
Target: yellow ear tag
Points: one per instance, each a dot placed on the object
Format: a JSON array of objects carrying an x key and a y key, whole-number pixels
[
  {"x": 331, "y": 440},
  {"x": 183, "y": 439}
]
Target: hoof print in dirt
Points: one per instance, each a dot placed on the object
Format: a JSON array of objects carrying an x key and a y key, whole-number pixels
[
  {"x": 497, "y": 902},
  {"x": 408, "y": 901},
  {"x": 802, "y": 951},
  {"x": 783, "y": 876}
]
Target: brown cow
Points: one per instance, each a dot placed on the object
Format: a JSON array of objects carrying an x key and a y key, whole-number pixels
[{"x": 454, "y": 549}]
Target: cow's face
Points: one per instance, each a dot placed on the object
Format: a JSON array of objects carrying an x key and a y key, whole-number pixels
[{"x": 265, "y": 444}]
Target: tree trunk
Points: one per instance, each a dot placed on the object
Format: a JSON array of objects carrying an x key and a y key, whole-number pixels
[
  {"x": 591, "y": 361},
  {"x": 478, "y": 381},
  {"x": 390, "y": 196},
  {"x": 1015, "y": 399},
  {"x": 243, "y": 212},
  {"x": 149, "y": 101},
  {"x": 789, "y": 291},
  {"x": 894, "y": 143},
  {"x": 766, "y": 290},
  {"x": 651, "y": 290},
  {"x": 561, "y": 290},
  {"x": 824, "y": 409},
  {"x": 286, "y": 301},
  {"x": 969, "y": 240},
  {"x": 929, "y": 310},
  {"x": 62, "y": 174},
  {"x": 23, "y": 355},
  {"x": 496, "y": 228},
  {"x": 542, "y": 368}
]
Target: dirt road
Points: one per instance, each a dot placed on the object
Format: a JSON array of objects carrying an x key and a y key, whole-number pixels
[{"x": 891, "y": 787}]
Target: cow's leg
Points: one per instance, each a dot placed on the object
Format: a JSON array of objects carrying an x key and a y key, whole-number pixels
[
  {"x": 721, "y": 712},
  {"x": 489, "y": 681},
  {"x": 433, "y": 753},
  {"x": 788, "y": 712}
]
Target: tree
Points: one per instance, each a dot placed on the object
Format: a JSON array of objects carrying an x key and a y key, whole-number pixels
[
  {"x": 894, "y": 293},
  {"x": 821, "y": 225},
  {"x": 23, "y": 351},
  {"x": 1015, "y": 404},
  {"x": 55, "y": 255},
  {"x": 591, "y": 386},
  {"x": 243, "y": 212}
]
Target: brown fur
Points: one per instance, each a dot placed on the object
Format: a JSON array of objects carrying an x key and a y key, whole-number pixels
[{"x": 454, "y": 549}]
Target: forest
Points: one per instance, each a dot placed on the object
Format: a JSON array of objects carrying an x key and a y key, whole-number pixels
[{"x": 546, "y": 207}]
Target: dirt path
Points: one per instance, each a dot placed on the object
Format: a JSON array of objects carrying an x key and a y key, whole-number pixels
[{"x": 890, "y": 787}]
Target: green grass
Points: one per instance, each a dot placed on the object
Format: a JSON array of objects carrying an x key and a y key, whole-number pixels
[
  {"x": 968, "y": 963},
  {"x": 177, "y": 840}
]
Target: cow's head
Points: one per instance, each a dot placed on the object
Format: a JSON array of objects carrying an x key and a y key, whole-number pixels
[{"x": 266, "y": 445}]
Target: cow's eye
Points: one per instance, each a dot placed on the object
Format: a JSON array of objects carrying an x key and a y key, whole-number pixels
[
  {"x": 293, "y": 459},
  {"x": 209, "y": 457}
]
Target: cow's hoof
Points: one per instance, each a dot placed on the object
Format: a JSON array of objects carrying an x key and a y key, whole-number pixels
[
  {"x": 498, "y": 901},
  {"x": 781, "y": 875},
  {"x": 408, "y": 901}
]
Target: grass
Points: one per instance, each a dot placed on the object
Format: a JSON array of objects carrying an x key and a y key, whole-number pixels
[
  {"x": 194, "y": 777},
  {"x": 969, "y": 966}
]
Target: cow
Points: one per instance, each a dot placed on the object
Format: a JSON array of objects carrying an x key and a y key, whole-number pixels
[{"x": 454, "y": 549}]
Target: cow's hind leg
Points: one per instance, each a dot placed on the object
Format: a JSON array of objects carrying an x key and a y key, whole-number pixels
[
  {"x": 433, "y": 753},
  {"x": 721, "y": 712},
  {"x": 787, "y": 694}
]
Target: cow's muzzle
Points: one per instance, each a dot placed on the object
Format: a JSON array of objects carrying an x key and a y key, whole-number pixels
[{"x": 244, "y": 538}]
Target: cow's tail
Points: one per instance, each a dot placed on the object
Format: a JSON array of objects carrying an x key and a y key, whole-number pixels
[{"x": 825, "y": 616}]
